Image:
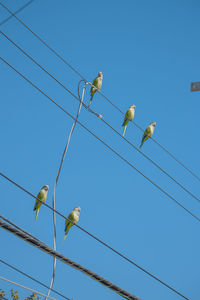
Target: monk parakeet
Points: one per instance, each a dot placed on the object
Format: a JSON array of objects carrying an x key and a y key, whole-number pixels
[
  {"x": 43, "y": 197},
  {"x": 148, "y": 132},
  {"x": 97, "y": 83},
  {"x": 74, "y": 217},
  {"x": 128, "y": 116}
]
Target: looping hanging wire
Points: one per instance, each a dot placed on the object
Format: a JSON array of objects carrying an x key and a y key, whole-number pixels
[{"x": 56, "y": 181}]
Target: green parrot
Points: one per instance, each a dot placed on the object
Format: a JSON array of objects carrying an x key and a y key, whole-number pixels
[
  {"x": 43, "y": 197},
  {"x": 148, "y": 133},
  {"x": 97, "y": 83},
  {"x": 74, "y": 217},
  {"x": 128, "y": 116}
]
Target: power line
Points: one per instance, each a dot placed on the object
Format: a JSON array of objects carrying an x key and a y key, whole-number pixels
[
  {"x": 42, "y": 246},
  {"x": 109, "y": 147},
  {"x": 56, "y": 181},
  {"x": 112, "y": 128},
  {"x": 25, "y": 287},
  {"x": 116, "y": 107},
  {"x": 16, "y": 12},
  {"x": 94, "y": 237},
  {"x": 25, "y": 274}
]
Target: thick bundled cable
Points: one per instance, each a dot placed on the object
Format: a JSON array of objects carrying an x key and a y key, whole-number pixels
[
  {"x": 103, "y": 120},
  {"x": 78, "y": 73},
  {"x": 94, "y": 237},
  {"x": 105, "y": 144},
  {"x": 42, "y": 246},
  {"x": 25, "y": 274}
]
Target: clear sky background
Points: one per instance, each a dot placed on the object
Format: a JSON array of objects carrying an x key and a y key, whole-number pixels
[{"x": 148, "y": 52}]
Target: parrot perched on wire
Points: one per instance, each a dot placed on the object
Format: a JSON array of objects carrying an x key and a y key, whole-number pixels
[
  {"x": 97, "y": 83},
  {"x": 42, "y": 195},
  {"x": 128, "y": 116},
  {"x": 74, "y": 217},
  {"x": 148, "y": 133}
]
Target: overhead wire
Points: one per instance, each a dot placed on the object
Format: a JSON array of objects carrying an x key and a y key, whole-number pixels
[
  {"x": 57, "y": 178},
  {"x": 25, "y": 287},
  {"x": 109, "y": 147},
  {"x": 45, "y": 248},
  {"x": 115, "y": 106},
  {"x": 16, "y": 12},
  {"x": 23, "y": 273},
  {"x": 103, "y": 120},
  {"x": 91, "y": 235}
]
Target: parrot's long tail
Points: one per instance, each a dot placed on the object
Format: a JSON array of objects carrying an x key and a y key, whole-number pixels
[
  {"x": 124, "y": 130},
  {"x": 37, "y": 212},
  {"x": 90, "y": 101}
]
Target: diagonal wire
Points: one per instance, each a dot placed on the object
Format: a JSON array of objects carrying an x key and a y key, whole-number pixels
[
  {"x": 16, "y": 12},
  {"x": 45, "y": 248},
  {"x": 23, "y": 273},
  {"x": 116, "y": 107},
  {"x": 91, "y": 235},
  {"x": 25, "y": 287},
  {"x": 56, "y": 181},
  {"x": 89, "y": 109}
]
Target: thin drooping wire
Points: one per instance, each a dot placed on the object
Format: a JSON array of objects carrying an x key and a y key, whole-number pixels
[
  {"x": 109, "y": 147},
  {"x": 90, "y": 110},
  {"x": 78, "y": 73},
  {"x": 16, "y": 12},
  {"x": 42, "y": 246},
  {"x": 25, "y": 287},
  {"x": 25, "y": 274},
  {"x": 56, "y": 181},
  {"x": 91, "y": 235}
]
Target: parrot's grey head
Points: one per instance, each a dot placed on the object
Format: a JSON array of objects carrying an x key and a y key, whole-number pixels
[
  {"x": 132, "y": 106},
  {"x": 45, "y": 187},
  {"x": 153, "y": 124},
  {"x": 77, "y": 209},
  {"x": 100, "y": 74}
]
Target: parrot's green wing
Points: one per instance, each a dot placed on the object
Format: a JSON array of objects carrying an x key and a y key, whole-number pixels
[
  {"x": 37, "y": 202},
  {"x": 146, "y": 135},
  {"x": 68, "y": 224},
  {"x": 95, "y": 82}
]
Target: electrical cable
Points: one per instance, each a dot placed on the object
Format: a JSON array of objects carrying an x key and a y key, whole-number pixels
[
  {"x": 42, "y": 246},
  {"x": 78, "y": 73},
  {"x": 25, "y": 287},
  {"x": 56, "y": 181},
  {"x": 23, "y": 273},
  {"x": 16, "y": 12}
]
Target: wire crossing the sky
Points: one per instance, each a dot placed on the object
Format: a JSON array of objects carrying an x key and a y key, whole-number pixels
[
  {"x": 103, "y": 120},
  {"x": 78, "y": 73},
  {"x": 91, "y": 235},
  {"x": 42, "y": 246},
  {"x": 108, "y": 146},
  {"x": 16, "y": 12},
  {"x": 25, "y": 274},
  {"x": 26, "y": 288}
]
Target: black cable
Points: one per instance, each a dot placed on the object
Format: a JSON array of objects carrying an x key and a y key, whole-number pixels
[
  {"x": 16, "y": 12},
  {"x": 78, "y": 73},
  {"x": 90, "y": 110},
  {"x": 25, "y": 274},
  {"x": 42, "y": 246},
  {"x": 109, "y": 147}
]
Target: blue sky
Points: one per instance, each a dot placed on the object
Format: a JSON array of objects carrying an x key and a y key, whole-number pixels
[{"x": 148, "y": 52}]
